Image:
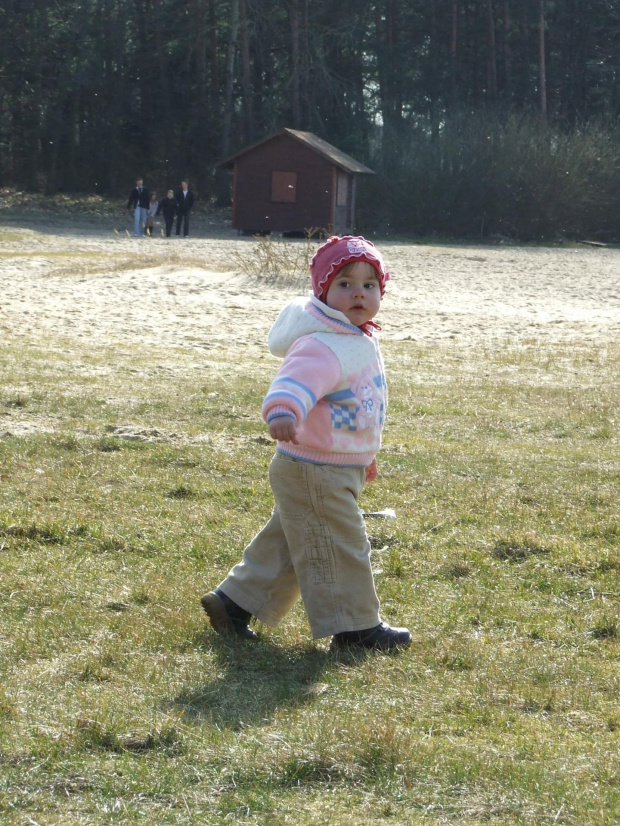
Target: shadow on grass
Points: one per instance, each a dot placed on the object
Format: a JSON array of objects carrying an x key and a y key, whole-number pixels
[{"x": 250, "y": 681}]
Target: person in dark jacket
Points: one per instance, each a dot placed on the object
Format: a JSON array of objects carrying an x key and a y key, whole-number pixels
[
  {"x": 185, "y": 202},
  {"x": 139, "y": 198},
  {"x": 167, "y": 208}
]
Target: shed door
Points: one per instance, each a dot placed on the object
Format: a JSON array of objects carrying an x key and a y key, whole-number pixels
[{"x": 342, "y": 206}]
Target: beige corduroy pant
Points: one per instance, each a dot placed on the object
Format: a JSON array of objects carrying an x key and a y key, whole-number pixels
[{"x": 315, "y": 544}]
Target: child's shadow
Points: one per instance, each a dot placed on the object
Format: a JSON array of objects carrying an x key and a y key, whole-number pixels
[{"x": 252, "y": 680}]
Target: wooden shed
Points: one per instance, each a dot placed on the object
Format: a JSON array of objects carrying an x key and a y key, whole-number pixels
[{"x": 293, "y": 181}]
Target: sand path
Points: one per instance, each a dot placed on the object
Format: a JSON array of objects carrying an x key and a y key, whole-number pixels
[{"x": 99, "y": 287}]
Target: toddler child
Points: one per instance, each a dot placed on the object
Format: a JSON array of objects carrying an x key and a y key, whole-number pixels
[
  {"x": 168, "y": 206},
  {"x": 151, "y": 214},
  {"x": 325, "y": 408}
]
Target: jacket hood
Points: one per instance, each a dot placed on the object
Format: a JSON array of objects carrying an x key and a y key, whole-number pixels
[{"x": 302, "y": 317}]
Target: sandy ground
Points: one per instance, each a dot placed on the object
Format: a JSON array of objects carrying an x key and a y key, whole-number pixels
[
  {"x": 101, "y": 287},
  {"x": 82, "y": 287}
]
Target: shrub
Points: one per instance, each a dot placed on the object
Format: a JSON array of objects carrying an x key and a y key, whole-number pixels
[{"x": 513, "y": 176}]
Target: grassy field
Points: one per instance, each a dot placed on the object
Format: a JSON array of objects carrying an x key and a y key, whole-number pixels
[{"x": 135, "y": 489}]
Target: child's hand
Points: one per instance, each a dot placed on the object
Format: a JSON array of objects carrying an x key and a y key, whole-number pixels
[
  {"x": 283, "y": 429},
  {"x": 371, "y": 471}
]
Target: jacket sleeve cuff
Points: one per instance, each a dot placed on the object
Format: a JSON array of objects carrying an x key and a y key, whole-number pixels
[{"x": 279, "y": 410}]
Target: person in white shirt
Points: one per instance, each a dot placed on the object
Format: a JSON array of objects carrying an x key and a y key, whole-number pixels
[{"x": 185, "y": 202}]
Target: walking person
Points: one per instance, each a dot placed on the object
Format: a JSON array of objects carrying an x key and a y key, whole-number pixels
[
  {"x": 150, "y": 215},
  {"x": 185, "y": 202},
  {"x": 167, "y": 208},
  {"x": 326, "y": 409},
  {"x": 139, "y": 200}
]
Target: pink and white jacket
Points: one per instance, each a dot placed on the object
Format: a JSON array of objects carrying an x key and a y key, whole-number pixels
[{"x": 332, "y": 383}]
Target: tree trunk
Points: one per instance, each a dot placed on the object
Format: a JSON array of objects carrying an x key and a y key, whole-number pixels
[
  {"x": 198, "y": 31},
  {"x": 387, "y": 27},
  {"x": 295, "y": 61},
  {"x": 492, "y": 55},
  {"x": 471, "y": 64},
  {"x": 542, "y": 70},
  {"x": 246, "y": 84},
  {"x": 214, "y": 83},
  {"x": 524, "y": 74},
  {"x": 230, "y": 76},
  {"x": 72, "y": 141},
  {"x": 109, "y": 167},
  {"x": 164, "y": 81},
  {"x": 454, "y": 33},
  {"x": 223, "y": 193},
  {"x": 506, "y": 52},
  {"x": 305, "y": 84},
  {"x": 144, "y": 60},
  {"x": 26, "y": 97}
]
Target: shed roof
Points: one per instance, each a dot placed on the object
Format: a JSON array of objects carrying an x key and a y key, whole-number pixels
[{"x": 313, "y": 142}]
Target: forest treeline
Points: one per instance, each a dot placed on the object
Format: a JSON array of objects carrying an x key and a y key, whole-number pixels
[{"x": 480, "y": 116}]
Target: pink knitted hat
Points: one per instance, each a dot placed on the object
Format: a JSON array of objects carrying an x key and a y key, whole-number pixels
[{"x": 335, "y": 253}]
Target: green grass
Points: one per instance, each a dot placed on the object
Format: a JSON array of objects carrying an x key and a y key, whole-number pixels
[{"x": 134, "y": 488}]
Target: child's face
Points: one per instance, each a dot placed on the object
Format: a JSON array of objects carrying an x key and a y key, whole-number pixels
[{"x": 356, "y": 292}]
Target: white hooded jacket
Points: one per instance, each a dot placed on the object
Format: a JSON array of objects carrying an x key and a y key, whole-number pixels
[{"x": 331, "y": 383}]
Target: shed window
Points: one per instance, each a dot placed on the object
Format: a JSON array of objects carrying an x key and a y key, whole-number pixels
[
  {"x": 342, "y": 189},
  {"x": 284, "y": 187}
]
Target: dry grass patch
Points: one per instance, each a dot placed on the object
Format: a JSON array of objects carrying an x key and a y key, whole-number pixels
[{"x": 278, "y": 260}]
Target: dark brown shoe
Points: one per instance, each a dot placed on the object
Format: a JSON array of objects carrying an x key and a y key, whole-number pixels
[
  {"x": 379, "y": 638},
  {"x": 226, "y": 617}
]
